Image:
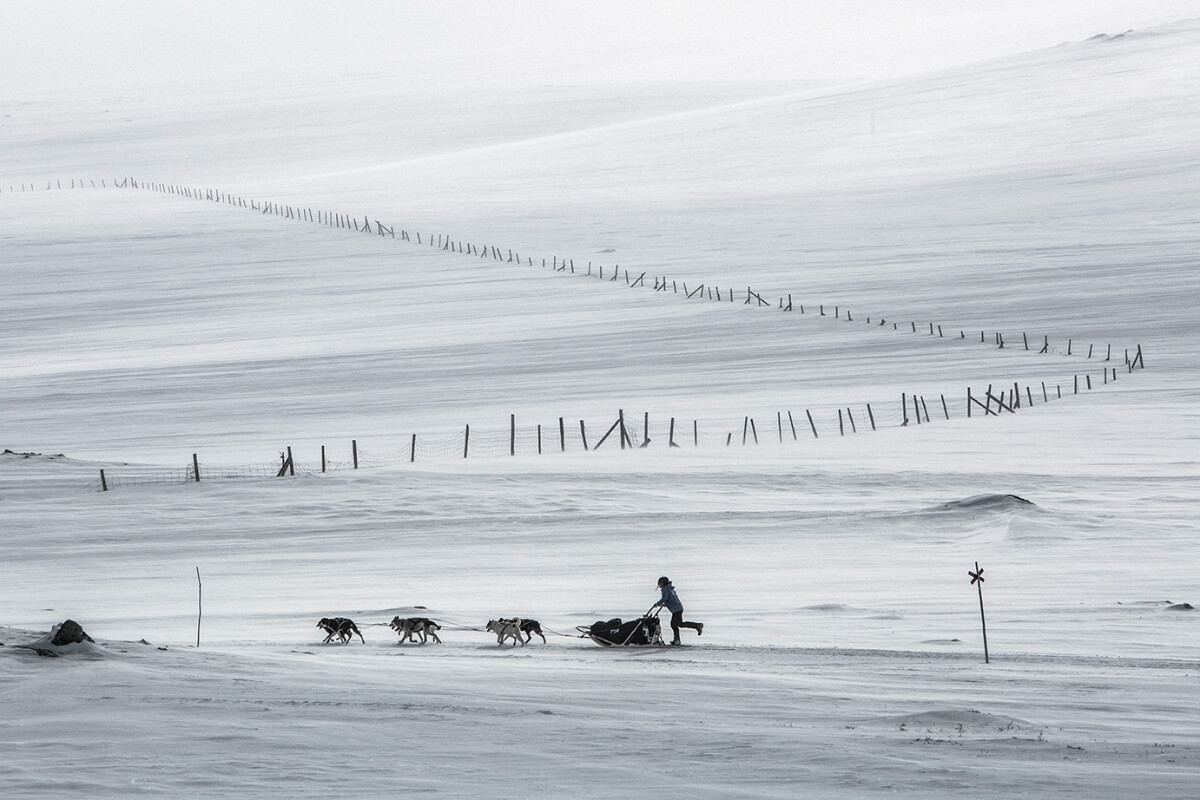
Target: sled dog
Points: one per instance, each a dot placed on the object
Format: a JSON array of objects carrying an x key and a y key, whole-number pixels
[
  {"x": 344, "y": 629},
  {"x": 506, "y": 629},
  {"x": 412, "y": 628},
  {"x": 531, "y": 626}
]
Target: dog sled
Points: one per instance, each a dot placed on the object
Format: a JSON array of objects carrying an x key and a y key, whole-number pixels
[{"x": 645, "y": 631}]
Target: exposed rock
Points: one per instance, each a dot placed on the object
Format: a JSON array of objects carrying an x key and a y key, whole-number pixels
[{"x": 69, "y": 632}]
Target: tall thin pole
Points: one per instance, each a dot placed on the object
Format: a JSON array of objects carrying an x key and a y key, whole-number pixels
[
  {"x": 977, "y": 578},
  {"x": 199, "y": 605}
]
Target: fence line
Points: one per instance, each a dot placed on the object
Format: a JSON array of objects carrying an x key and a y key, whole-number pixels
[
  {"x": 365, "y": 224},
  {"x": 625, "y": 433},
  {"x": 913, "y": 409}
]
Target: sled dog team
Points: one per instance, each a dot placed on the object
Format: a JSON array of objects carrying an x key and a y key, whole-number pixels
[{"x": 421, "y": 629}]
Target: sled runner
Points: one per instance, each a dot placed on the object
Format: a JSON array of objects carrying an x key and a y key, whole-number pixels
[{"x": 642, "y": 632}]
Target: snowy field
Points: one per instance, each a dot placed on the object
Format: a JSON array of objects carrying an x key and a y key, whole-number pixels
[{"x": 897, "y": 230}]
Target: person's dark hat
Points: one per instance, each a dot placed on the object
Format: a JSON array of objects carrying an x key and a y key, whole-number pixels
[{"x": 663, "y": 581}]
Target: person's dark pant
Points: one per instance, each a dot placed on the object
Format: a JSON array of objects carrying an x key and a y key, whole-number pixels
[{"x": 677, "y": 623}]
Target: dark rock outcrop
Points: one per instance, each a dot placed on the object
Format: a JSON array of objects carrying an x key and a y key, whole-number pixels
[{"x": 69, "y": 632}]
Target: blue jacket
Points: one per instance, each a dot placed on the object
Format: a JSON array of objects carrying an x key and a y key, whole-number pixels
[{"x": 670, "y": 599}]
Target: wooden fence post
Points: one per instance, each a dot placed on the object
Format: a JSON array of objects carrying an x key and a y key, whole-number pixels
[
  {"x": 196, "y": 466},
  {"x": 466, "y": 440},
  {"x": 811, "y": 424},
  {"x": 354, "y": 451}
]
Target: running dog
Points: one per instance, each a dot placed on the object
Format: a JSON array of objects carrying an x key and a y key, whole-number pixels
[
  {"x": 410, "y": 628},
  {"x": 344, "y": 629},
  {"x": 531, "y": 626},
  {"x": 506, "y": 629},
  {"x": 513, "y": 628}
]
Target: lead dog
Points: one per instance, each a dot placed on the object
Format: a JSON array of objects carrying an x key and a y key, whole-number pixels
[
  {"x": 340, "y": 627},
  {"x": 410, "y": 628}
]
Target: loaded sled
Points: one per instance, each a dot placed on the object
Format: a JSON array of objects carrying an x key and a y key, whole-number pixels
[{"x": 644, "y": 631}]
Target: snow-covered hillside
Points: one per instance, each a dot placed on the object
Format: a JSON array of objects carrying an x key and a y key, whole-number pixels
[{"x": 1046, "y": 200}]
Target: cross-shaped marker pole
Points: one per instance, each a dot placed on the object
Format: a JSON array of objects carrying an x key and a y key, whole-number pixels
[{"x": 977, "y": 579}]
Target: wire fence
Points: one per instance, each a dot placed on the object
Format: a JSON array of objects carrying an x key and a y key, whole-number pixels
[
  {"x": 625, "y": 433},
  {"x": 911, "y": 410},
  {"x": 366, "y": 224}
]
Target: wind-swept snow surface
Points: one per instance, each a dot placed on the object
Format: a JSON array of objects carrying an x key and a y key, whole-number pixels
[{"x": 186, "y": 273}]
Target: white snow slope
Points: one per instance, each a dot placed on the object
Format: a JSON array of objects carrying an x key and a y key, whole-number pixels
[{"x": 1045, "y": 200}]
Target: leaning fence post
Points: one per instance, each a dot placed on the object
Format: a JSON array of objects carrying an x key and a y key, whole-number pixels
[
  {"x": 811, "y": 424},
  {"x": 354, "y": 451},
  {"x": 583, "y": 435},
  {"x": 562, "y": 435},
  {"x": 412, "y": 451},
  {"x": 466, "y": 440},
  {"x": 196, "y": 466},
  {"x": 103, "y": 482}
]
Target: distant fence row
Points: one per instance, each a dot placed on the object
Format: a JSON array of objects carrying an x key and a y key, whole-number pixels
[
  {"x": 782, "y": 428},
  {"x": 366, "y": 224}
]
